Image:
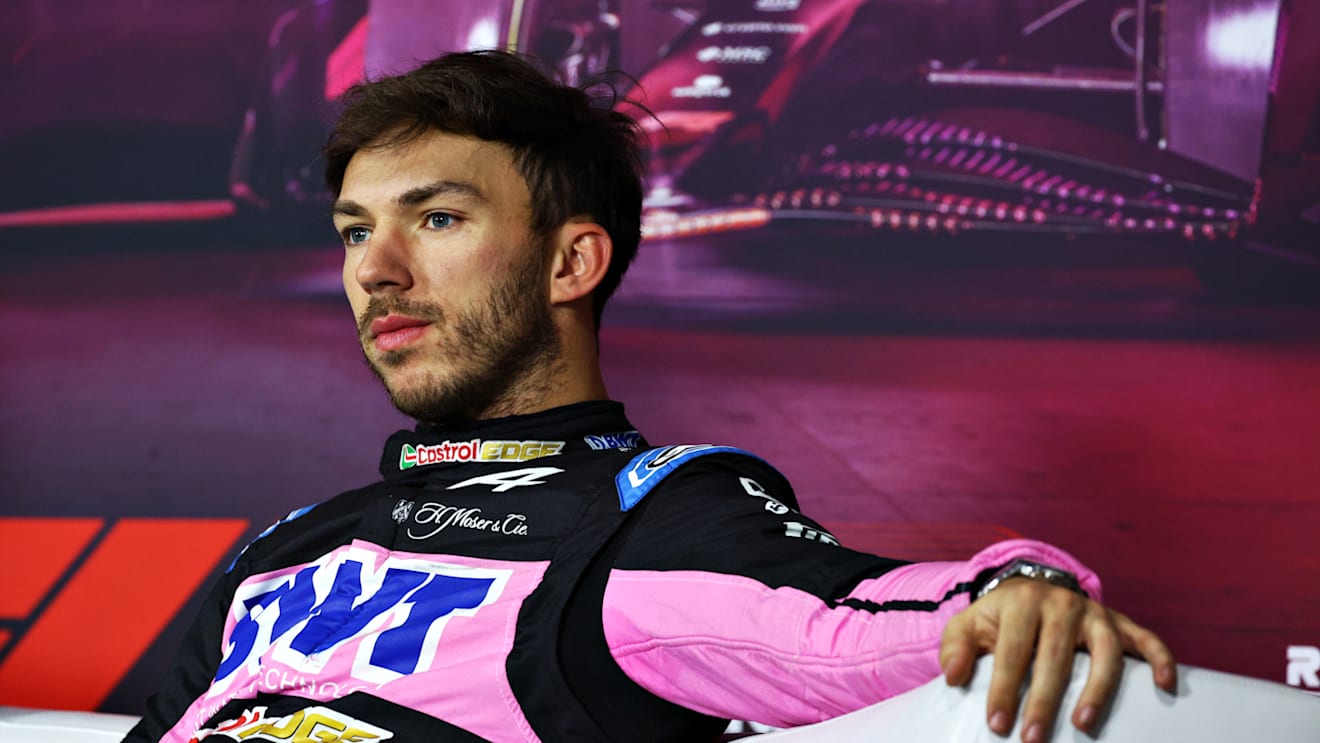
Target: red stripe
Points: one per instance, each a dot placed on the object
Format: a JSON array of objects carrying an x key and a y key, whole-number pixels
[
  {"x": 35, "y": 553},
  {"x": 346, "y": 64},
  {"x": 112, "y": 609},
  {"x": 139, "y": 211}
]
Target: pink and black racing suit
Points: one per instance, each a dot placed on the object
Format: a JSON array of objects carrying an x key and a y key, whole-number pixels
[{"x": 552, "y": 577}]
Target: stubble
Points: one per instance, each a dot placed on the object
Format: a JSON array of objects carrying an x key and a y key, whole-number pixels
[{"x": 502, "y": 353}]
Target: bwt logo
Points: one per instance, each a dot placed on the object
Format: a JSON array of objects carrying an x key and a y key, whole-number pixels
[
  {"x": 398, "y": 611},
  {"x": 1304, "y": 666}
]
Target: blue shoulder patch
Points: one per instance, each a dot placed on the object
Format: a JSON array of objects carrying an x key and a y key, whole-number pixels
[
  {"x": 647, "y": 469},
  {"x": 295, "y": 513}
]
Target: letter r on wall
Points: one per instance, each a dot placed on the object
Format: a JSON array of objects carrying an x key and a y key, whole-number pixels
[{"x": 1304, "y": 666}]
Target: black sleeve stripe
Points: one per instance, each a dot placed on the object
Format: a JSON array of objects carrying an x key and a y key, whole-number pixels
[{"x": 904, "y": 605}]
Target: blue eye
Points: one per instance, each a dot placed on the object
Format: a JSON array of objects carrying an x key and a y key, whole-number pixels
[
  {"x": 439, "y": 220},
  {"x": 356, "y": 235}
]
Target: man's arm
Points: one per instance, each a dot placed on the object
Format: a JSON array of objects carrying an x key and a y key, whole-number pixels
[{"x": 728, "y": 601}]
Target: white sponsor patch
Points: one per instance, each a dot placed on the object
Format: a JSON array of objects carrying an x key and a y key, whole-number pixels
[
  {"x": 705, "y": 86},
  {"x": 753, "y": 27},
  {"x": 734, "y": 54},
  {"x": 439, "y": 517}
]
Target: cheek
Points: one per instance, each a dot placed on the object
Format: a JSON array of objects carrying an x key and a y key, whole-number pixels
[{"x": 357, "y": 298}]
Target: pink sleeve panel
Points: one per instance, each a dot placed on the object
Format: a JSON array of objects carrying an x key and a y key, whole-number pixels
[{"x": 733, "y": 647}]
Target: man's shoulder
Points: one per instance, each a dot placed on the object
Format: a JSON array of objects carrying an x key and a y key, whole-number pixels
[
  {"x": 347, "y": 503},
  {"x": 315, "y": 522},
  {"x": 706, "y": 467}
]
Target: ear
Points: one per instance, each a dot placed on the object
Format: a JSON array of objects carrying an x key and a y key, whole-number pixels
[{"x": 581, "y": 258}]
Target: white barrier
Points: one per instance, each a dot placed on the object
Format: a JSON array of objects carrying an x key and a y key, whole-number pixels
[
  {"x": 18, "y": 725},
  {"x": 1210, "y": 707}
]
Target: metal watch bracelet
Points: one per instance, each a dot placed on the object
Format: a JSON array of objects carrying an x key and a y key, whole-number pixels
[{"x": 1036, "y": 571}]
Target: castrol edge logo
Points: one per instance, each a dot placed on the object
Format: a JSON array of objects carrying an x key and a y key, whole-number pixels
[{"x": 475, "y": 450}]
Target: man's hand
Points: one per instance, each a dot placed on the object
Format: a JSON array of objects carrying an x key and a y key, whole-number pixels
[{"x": 1022, "y": 616}]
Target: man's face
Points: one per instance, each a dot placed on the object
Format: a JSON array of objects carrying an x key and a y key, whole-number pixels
[{"x": 448, "y": 285}]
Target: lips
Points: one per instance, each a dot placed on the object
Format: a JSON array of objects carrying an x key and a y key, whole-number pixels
[{"x": 396, "y": 331}]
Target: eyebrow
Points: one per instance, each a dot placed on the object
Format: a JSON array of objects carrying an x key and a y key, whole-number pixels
[{"x": 415, "y": 196}]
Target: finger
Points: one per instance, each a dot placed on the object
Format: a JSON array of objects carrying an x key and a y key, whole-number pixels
[
  {"x": 1102, "y": 641},
  {"x": 1141, "y": 641},
  {"x": 958, "y": 649},
  {"x": 1017, "y": 636},
  {"x": 1061, "y": 621}
]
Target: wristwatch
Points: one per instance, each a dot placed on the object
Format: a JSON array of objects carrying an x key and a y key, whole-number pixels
[{"x": 1035, "y": 571}]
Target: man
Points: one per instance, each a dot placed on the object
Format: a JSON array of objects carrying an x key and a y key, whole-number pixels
[{"x": 530, "y": 568}]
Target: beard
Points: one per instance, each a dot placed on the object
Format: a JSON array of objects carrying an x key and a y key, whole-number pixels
[{"x": 500, "y": 352}]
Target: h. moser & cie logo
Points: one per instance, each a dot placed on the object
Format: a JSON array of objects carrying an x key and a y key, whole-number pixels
[{"x": 439, "y": 517}]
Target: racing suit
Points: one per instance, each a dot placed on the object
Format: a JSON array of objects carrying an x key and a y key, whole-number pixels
[{"x": 552, "y": 577}]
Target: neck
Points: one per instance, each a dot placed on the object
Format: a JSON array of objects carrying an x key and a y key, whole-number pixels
[
  {"x": 574, "y": 374},
  {"x": 564, "y": 381}
]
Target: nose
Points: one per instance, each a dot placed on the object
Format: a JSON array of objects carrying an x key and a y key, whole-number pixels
[{"x": 385, "y": 264}]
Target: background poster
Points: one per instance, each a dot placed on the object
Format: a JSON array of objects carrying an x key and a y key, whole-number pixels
[{"x": 963, "y": 270}]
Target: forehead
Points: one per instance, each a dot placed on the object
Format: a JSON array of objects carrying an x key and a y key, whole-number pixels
[{"x": 376, "y": 176}]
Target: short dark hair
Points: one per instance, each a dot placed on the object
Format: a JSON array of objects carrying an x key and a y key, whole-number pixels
[{"x": 576, "y": 153}]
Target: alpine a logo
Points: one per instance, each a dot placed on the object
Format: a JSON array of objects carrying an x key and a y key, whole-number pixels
[
  {"x": 475, "y": 450},
  {"x": 503, "y": 482}
]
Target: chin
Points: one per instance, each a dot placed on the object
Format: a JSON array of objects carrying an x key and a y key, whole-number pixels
[
  {"x": 401, "y": 373},
  {"x": 410, "y": 383}
]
